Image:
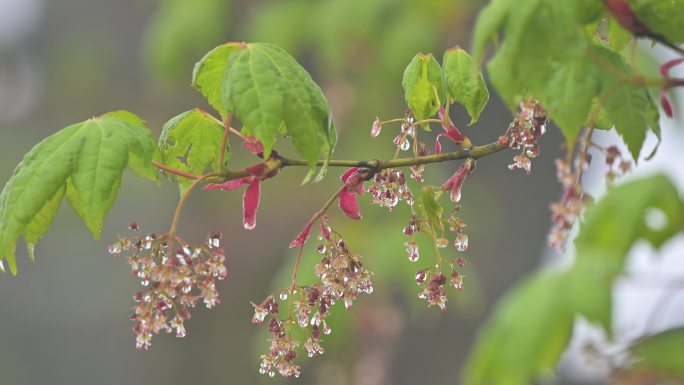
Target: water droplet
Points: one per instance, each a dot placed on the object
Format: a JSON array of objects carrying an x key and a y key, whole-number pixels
[
  {"x": 321, "y": 249},
  {"x": 271, "y": 373},
  {"x": 283, "y": 296},
  {"x": 461, "y": 242},
  {"x": 405, "y": 145},
  {"x": 113, "y": 249}
]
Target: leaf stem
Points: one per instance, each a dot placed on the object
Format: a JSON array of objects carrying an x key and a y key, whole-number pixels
[
  {"x": 311, "y": 221},
  {"x": 174, "y": 171},
  {"x": 176, "y": 216},
  {"x": 224, "y": 141}
]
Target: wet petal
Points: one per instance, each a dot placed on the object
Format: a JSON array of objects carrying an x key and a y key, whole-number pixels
[
  {"x": 456, "y": 181},
  {"x": 250, "y": 204},
  {"x": 348, "y": 204},
  {"x": 348, "y": 173},
  {"x": 665, "y": 104},
  {"x": 254, "y": 147},
  {"x": 227, "y": 186},
  {"x": 303, "y": 236}
]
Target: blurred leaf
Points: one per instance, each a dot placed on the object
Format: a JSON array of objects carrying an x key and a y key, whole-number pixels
[
  {"x": 208, "y": 74},
  {"x": 662, "y": 353},
  {"x": 464, "y": 82},
  {"x": 270, "y": 92},
  {"x": 191, "y": 142},
  {"x": 610, "y": 231},
  {"x": 618, "y": 37},
  {"x": 608, "y": 234},
  {"x": 181, "y": 31},
  {"x": 87, "y": 160},
  {"x": 663, "y": 17},
  {"x": 524, "y": 337},
  {"x": 423, "y": 84},
  {"x": 531, "y": 326}
]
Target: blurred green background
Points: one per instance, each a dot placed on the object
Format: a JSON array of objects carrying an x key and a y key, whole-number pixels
[{"x": 65, "y": 317}]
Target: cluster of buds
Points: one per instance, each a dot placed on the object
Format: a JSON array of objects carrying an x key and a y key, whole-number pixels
[
  {"x": 281, "y": 353},
  {"x": 341, "y": 273},
  {"x": 524, "y": 133},
  {"x": 174, "y": 282},
  {"x": 567, "y": 210},
  {"x": 433, "y": 285},
  {"x": 342, "y": 277},
  {"x": 617, "y": 164},
  {"x": 403, "y": 141},
  {"x": 389, "y": 187}
]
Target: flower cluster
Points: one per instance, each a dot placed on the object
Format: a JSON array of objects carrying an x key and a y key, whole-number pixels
[
  {"x": 341, "y": 278},
  {"x": 574, "y": 199},
  {"x": 570, "y": 206},
  {"x": 524, "y": 133},
  {"x": 432, "y": 280},
  {"x": 389, "y": 187},
  {"x": 174, "y": 282},
  {"x": 617, "y": 164}
]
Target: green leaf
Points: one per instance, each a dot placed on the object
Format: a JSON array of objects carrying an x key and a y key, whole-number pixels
[
  {"x": 85, "y": 161},
  {"x": 208, "y": 74},
  {"x": 423, "y": 85},
  {"x": 432, "y": 210},
  {"x": 525, "y": 336},
  {"x": 627, "y": 107},
  {"x": 489, "y": 21},
  {"x": 42, "y": 221},
  {"x": 663, "y": 17},
  {"x": 271, "y": 93},
  {"x": 191, "y": 142},
  {"x": 618, "y": 37},
  {"x": 569, "y": 95},
  {"x": 661, "y": 353},
  {"x": 464, "y": 82}
]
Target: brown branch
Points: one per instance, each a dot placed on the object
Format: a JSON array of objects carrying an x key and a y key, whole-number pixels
[{"x": 475, "y": 152}]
